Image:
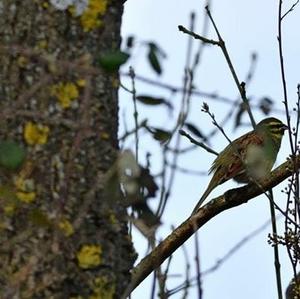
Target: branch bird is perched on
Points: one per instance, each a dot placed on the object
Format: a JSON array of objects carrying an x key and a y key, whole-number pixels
[{"x": 247, "y": 158}]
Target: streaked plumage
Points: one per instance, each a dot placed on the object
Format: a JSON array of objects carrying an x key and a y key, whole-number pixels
[{"x": 248, "y": 157}]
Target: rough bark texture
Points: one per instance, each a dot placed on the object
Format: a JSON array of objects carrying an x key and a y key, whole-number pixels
[{"x": 40, "y": 48}]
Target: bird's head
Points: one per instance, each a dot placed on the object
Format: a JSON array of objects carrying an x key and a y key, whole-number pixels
[{"x": 273, "y": 127}]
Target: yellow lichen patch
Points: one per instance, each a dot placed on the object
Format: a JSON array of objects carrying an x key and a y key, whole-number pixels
[
  {"x": 81, "y": 82},
  {"x": 90, "y": 19},
  {"x": 112, "y": 218},
  {"x": 103, "y": 289},
  {"x": 22, "y": 61},
  {"x": 89, "y": 256},
  {"x": 9, "y": 209},
  {"x": 45, "y": 4},
  {"x": 115, "y": 83},
  {"x": 42, "y": 44},
  {"x": 35, "y": 133},
  {"x": 24, "y": 185},
  {"x": 65, "y": 93},
  {"x": 104, "y": 135},
  {"x": 26, "y": 197},
  {"x": 3, "y": 225},
  {"x": 66, "y": 227},
  {"x": 26, "y": 170}
]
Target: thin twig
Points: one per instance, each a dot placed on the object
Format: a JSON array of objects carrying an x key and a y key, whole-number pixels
[
  {"x": 194, "y": 91},
  {"x": 200, "y": 144},
  {"x": 141, "y": 125},
  {"x": 275, "y": 247},
  {"x": 186, "y": 170},
  {"x": 290, "y": 10},
  {"x": 183, "y": 114},
  {"x": 198, "y": 271},
  {"x": 205, "y": 108},
  {"x": 240, "y": 85},
  {"x": 283, "y": 80},
  {"x": 197, "y": 36},
  {"x": 221, "y": 44},
  {"x": 187, "y": 273},
  {"x": 135, "y": 114}
]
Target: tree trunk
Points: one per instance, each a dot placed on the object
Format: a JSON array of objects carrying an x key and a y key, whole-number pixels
[{"x": 61, "y": 235}]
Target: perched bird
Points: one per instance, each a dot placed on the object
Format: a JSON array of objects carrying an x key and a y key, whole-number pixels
[{"x": 247, "y": 158}]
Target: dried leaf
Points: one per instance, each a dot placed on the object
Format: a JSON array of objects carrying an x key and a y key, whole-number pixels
[{"x": 161, "y": 135}]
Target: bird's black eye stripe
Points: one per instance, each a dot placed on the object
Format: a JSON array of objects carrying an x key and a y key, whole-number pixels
[
  {"x": 277, "y": 130},
  {"x": 277, "y": 126}
]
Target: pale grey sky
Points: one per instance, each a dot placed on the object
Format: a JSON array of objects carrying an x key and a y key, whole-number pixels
[{"x": 246, "y": 26}]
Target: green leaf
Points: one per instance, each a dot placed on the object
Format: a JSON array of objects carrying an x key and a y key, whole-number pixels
[
  {"x": 153, "y": 58},
  {"x": 149, "y": 100},
  {"x": 161, "y": 135},
  {"x": 12, "y": 155},
  {"x": 193, "y": 129},
  {"x": 130, "y": 41},
  {"x": 111, "y": 61}
]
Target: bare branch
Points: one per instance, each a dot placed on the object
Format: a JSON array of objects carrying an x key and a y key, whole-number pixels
[{"x": 229, "y": 199}]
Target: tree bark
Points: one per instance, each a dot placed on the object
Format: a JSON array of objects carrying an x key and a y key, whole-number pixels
[{"x": 61, "y": 235}]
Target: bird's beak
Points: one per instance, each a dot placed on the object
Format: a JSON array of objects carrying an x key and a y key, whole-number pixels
[{"x": 285, "y": 127}]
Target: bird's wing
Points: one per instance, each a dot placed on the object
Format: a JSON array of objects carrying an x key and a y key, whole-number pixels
[{"x": 229, "y": 163}]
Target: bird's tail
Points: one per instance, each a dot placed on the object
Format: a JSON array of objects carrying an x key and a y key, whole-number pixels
[{"x": 210, "y": 187}]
